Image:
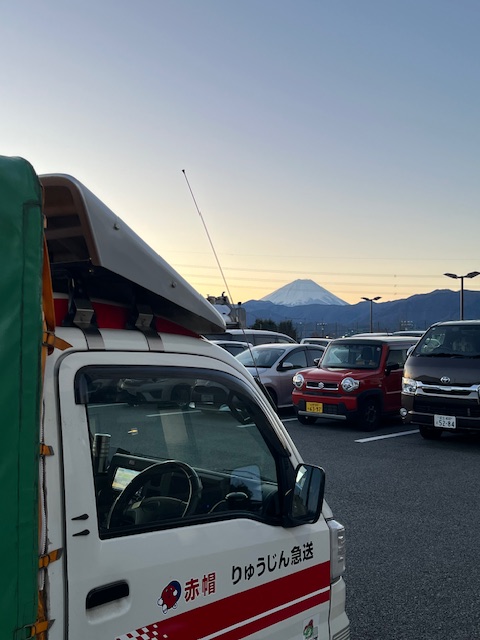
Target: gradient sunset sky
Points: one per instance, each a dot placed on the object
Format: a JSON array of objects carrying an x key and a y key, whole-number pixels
[{"x": 336, "y": 140}]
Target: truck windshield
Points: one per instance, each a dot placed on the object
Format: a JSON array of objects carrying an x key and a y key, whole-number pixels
[
  {"x": 210, "y": 447},
  {"x": 458, "y": 341},
  {"x": 354, "y": 355}
]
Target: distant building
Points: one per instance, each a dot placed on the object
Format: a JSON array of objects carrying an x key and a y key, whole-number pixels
[
  {"x": 406, "y": 325},
  {"x": 234, "y": 314}
]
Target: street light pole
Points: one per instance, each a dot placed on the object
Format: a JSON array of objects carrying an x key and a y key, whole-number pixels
[
  {"x": 322, "y": 328},
  {"x": 371, "y": 301},
  {"x": 472, "y": 274}
]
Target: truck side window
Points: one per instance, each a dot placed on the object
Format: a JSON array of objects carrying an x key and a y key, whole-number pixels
[{"x": 170, "y": 449}]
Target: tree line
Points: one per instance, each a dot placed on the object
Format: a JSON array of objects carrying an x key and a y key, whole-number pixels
[{"x": 286, "y": 326}]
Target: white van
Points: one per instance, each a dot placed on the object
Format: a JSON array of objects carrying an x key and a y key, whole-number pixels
[
  {"x": 324, "y": 342},
  {"x": 173, "y": 502},
  {"x": 254, "y": 336}
]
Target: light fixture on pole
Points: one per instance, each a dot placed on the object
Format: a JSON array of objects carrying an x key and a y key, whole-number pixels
[
  {"x": 371, "y": 301},
  {"x": 472, "y": 274}
]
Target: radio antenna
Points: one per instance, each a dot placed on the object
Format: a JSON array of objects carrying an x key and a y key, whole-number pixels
[
  {"x": 208, "y": 236},
  {"x": 257, "y": 376}
]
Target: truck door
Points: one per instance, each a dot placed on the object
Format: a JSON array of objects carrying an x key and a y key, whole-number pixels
[{"x": 174, "y": 480}]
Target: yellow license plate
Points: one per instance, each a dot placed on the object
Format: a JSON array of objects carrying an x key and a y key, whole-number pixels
[{"x": 314, "y": 407}]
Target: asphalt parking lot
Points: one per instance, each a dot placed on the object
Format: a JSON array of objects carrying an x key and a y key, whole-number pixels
[{"x": 411, "y": 510}]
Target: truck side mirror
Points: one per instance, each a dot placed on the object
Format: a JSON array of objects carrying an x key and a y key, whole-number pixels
[{"x": 304, "y": 501}]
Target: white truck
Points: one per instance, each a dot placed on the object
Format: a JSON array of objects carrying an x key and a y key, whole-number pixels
[{"x": 151, "y": 491}]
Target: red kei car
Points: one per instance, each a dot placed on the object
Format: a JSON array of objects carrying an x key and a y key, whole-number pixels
[{"x": 358, "y": 379}]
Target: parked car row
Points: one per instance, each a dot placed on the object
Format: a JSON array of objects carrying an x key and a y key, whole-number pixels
[
  {"x": 358, "y": 379},
  {"x": 432, "y": 381}
]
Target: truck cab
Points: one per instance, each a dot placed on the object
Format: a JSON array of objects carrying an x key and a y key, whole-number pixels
[{"x": 173, "y": 503}]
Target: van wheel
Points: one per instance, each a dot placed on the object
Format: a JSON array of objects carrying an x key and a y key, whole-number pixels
[
  {"x": 369, "y": 415},
  {"x": 306, "y": 419},
  {"x": 430, "y": 434}
]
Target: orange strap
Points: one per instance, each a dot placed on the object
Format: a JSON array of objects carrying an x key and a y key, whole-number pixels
[
  {"x": 45, "y": 560},
  {"x": 49, "y": 342},
  {"x": 39, "y": 629},
  {"x": 46, "y": 449}
]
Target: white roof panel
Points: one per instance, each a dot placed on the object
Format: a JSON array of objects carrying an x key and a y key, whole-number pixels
[{"x": 87, "y": 240}]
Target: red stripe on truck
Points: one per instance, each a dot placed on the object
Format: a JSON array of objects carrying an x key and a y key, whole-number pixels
[{"x": 247, "y": 612}]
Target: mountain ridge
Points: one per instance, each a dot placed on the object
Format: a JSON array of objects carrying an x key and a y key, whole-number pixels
[{"x": 416, "y": 312}]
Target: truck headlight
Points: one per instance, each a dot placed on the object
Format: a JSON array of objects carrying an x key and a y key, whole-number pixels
[
  {"x": 298, "y": 380},
  {"x": 337, "y": 549},
  {"x": 409, "y": 386},
  {"x": 349, "y": 384}
]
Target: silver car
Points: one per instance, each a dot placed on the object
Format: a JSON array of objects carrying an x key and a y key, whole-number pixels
[{"x": 275, "y": 365}]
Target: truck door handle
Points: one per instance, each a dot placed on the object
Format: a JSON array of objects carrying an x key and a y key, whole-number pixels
[{"x": 107, "y": 593}]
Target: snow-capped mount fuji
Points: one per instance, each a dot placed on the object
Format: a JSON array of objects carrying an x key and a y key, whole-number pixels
[{"x": 301, "y": 292}]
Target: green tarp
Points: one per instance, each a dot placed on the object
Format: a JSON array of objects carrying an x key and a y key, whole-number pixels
[{"x": 21, "y": 229}]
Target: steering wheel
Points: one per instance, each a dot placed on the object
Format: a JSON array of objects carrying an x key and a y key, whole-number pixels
[{"x": 157, "y": 507}]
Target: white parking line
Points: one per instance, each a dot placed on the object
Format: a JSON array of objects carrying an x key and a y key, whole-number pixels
[
  {"x": 390, "y": 435},
  {"x": 371, "y": 439}
]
